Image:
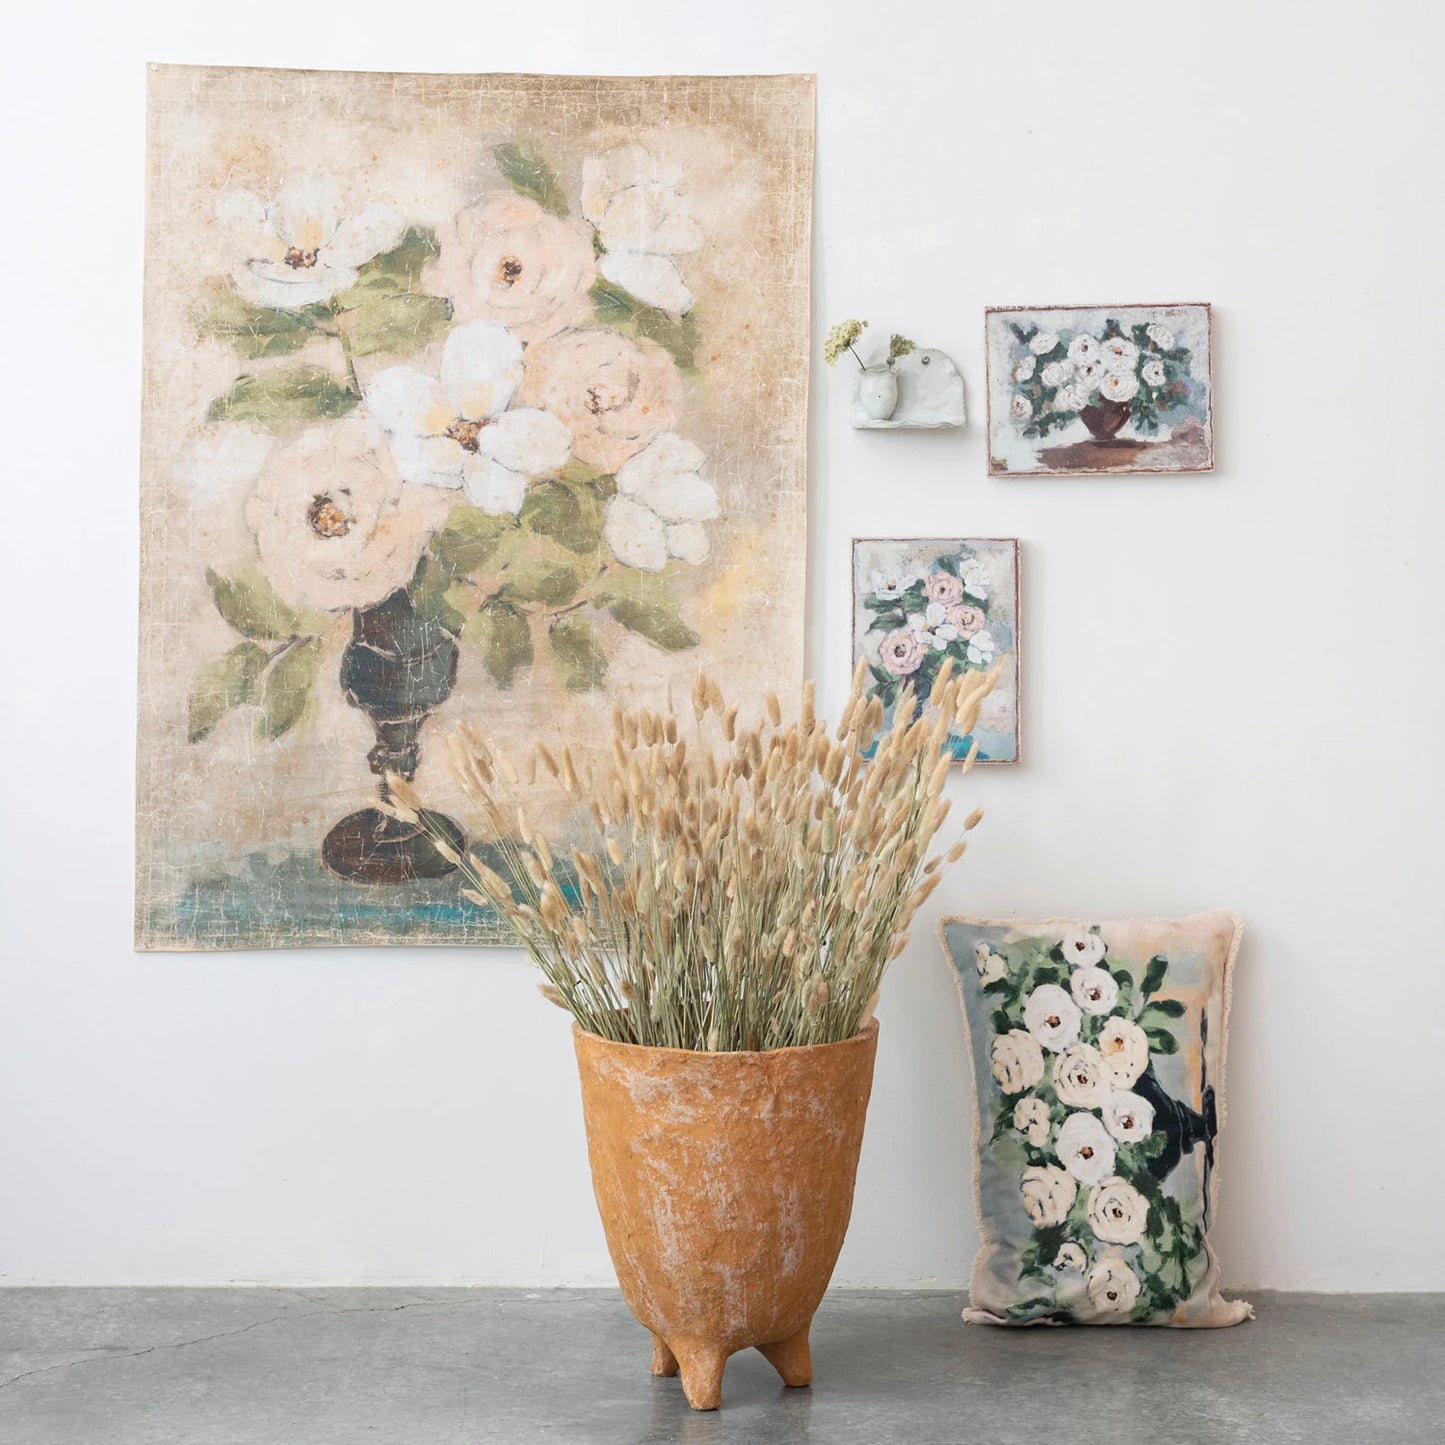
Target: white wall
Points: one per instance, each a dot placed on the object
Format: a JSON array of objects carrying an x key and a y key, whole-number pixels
[{"x": 1232, "y": 681}]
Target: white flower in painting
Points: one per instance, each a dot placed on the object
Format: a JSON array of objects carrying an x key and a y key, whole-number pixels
[
  {"x": 1048, "y": 1194},
  {"x": 1118, "y": 1213},
  {"x": 1052, "y": 1017},
  {"x": 1056, "y": 373},
  {"x": 1152, "y": 372},
  {"x": 1084, "y": 349},
  {"x": 1119, "y": 386},
  {"x": 1090, "y": 374},
  {"x": 1044, "y": 342},
  {"x": 932, "y": 627},
  {"x": 1071, "y": 398},
  {"x": 981, "y": 649},
  {"x": 1161, "y": 336},
  {"x": 644, "y": 222},
  {"x": 1071, "y": 1258},
  {"x": 455, "y": 430},
  {"x": 1119, "y": 353},
  {"x": 1082, "y": 950},
  {"x": 1081, "y": 1077},
  {"x": 1094, "y": 989},
  {"x": 1020, "y": 408},
  {"x": 1085, "y": 1148},
  {"x": 1018, "y": 1062},
  {"x": 1129, "y": 1118},
  {"x": 974, "y": 576},
  {"x": 1025, "y": 369},
  {"x": 1113, "y": 1286},
  {"x": 1031, "y": 1119},
  {"x": 301, "y": 247},
  {"x": 661, "y": 503},
  {"x": 1125, "y": 1051},
  {"x": 990, "y": 965},
  {"x": 892, "y": 585}
]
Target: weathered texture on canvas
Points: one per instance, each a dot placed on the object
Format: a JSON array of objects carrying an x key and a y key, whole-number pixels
[{"x": 465, "y": 397}]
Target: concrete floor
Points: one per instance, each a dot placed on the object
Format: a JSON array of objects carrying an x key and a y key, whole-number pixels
[{"x": 413, "y": 1367}]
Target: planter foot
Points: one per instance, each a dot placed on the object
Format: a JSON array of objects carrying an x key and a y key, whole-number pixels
[
  {"x": 791, "y": 1358},
  {"x": 702, "y": 1372},
  {"x": 664, "y": 1362}
]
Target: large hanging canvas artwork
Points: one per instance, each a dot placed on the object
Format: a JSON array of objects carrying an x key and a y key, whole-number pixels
[
  {"x": 1089, "y": 389},
  {"x": 465, "y": 397}
]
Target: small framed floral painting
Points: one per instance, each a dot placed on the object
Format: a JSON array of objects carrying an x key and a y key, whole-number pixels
[
  {"x": 1087, "y": 389},
  {"x": 917, "y": 601}
]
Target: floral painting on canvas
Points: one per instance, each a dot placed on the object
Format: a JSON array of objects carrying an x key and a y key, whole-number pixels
[
  {"x": 917, "y": 602},
  {"x": 464, "y": 401},
  {"x": 1082, "y": 389}
]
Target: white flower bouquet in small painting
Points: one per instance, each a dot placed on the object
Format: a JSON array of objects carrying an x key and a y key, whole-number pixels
[
  {"x": 919, "y": 603},
  {"x": 1075, "y": 389}
]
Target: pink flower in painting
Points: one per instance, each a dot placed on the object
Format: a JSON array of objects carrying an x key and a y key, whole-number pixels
[
  {"x": 901, "y": 652},
  {"x": 508, "y": 260},
  {"x": 334, "y": 523},
  {"x": 966, "y": 619},
  {"x": 614, "y": 395},
  {"x": 943, "y": 588}
]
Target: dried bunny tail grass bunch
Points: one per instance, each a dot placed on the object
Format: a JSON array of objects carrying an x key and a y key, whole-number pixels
[{"x": 739, "y": 886}]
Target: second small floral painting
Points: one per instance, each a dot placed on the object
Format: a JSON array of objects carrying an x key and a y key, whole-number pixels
[
  {"x": 1087, "y": 389},
  {"x": 919, "y": 601}
]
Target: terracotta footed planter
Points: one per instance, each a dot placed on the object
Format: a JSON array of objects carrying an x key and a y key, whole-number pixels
[{"x": 725, "y": 1182}]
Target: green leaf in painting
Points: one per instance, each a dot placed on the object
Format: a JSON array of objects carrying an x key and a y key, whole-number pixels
[
  {"x": 529, "y": 174},
  {"x": 471, "y": 538},
  {"x": 1161, "y": 1041},
  {"x": 255, "y": 331},
  {"x": 650, "y": 613},
  {"x": 278, "y": 399},
  {"x": 575, "y": 471},
  {"x": 403, "y": 322},
  {"x": 249, "y": 604},
  {"x": 579, "y": 656},
  {"x": 541, "y": 580},
  {"x": 1169, "y": 1008},
  {"x": 437, "y": 596},
  {"x": 621, "y": 310},
  {"x": 1155, "y": 974},
  {"x": 286, "y": 687},
  {"x": 505, "y": 638},
  {"x": 224, "y": 683},
  {"x": 396, "y": 270},
  {"x": 570, "y": 515}
]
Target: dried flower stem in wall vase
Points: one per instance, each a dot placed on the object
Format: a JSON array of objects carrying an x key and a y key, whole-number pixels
[
  {"x": 908, "y": 388},
  {"x": 725, "y": 1185}
]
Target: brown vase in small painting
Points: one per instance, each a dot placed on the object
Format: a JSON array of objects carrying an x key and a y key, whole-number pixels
[
  {"x": 725, "y": 1184},
  {"x": 1104, "y": 419}
]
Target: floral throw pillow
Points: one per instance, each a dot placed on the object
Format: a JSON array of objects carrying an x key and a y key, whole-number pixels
[{"x": 1098, "y": 1056}]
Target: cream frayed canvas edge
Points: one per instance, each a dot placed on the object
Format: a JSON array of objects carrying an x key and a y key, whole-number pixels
[{"x": 1240, "y": 1310}]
